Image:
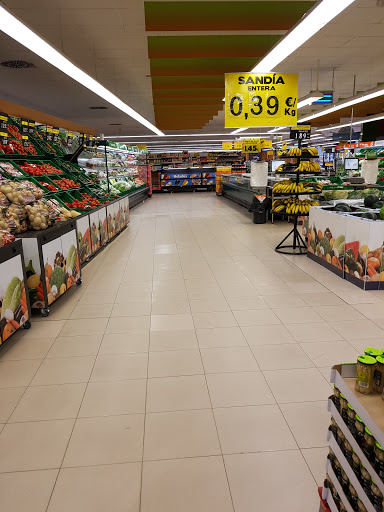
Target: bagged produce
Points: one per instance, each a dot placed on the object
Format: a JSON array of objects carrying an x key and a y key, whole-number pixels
[
  {"x": 16, "y": 193},
  {"x": 18, "y": 213},
  {"x": 36, "y": 191},
  {"x": 3, "y": 200},
  {"x": 48, "y": 208},
  {"x": 38, "y": 217},
  {"x": 6, "y": 238},
  {"x": 7, "y": 224},
  {"x": 10, "y": 169}
]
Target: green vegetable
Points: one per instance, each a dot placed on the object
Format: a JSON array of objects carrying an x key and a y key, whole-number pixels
[
  {"x": 370, "y": 200},
  {"x": 341, "y": 207},
  {"x": 339, "y": 194},
  {"x": 378, "y": 205},
  {"x": 350, "y": 258},
  {"x": 29, "y": 269},
  {"x": 369, "y": 215},
  {"x": 340, "y": 248},
  {"x": 371, "y": 191},
  {"x": 57, "y": 278},
  {"x": 382, "y": 213},
  {"x": 71, "y": 258},
  {"x": 12, "y": 296},
  {"x": 325, "y": 244}
]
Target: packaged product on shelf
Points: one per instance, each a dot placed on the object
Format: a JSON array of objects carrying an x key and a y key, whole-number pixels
[
  {"x": 356, "y": 465},
  {"x": 36, "y": 191},
  {"x": 361, "y": 506},
  {"x": 376, "y": 497},
  {"x": 369, "y": 445},
  {"x": 3, "y": 200},
  {"x": 343, "y": 408},
  {"x": 360, "y": 428},
  {"x": 333, "y": 427},
  {"x": 10, "y": 169},
  {"x": 340, "y": 437},
  {"x": 16, "y": 193},
  {"x": 336, "y": 397},
  {"x": 365, "y": 481},
  {"x": 38, "y": 217},
  {"x": 18, "y": 213},
  {"x": 348, "y": 451},
  {"x": 7, "y": 224},
  {"x": 364, "y": 379},
  {"x": 351, "y": 420},
  {"x": 379, "y": 461},
  {"x": 353, "y": 496},
  {"x": 48, "y": 208},
  {"x": 378, "y": 375},
  {"x": 337, "y": 469},
  {"x": 373, "y": 352}
]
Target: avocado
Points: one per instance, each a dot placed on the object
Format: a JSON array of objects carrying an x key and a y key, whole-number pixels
[
  {"x": 370, "y": 200},
  {"x": 342, "y": 207},
  {"x": 369, "y": 215},
  {"x": 378, "y": 204}
]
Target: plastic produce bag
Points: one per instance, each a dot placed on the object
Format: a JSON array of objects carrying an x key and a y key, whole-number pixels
[
  {"x": 259, "y": 174},
  {"x": 38, "y": 217},
  {"x": 18, "y": 213},
  {"x": 369, "y": 171},
  {"x": 5, "y": 238},
  {"x": 16, "y": 193},
  {"x": 36, "y": 191},
  {"x": 3, "y": 200},
  {"x": 10, "y": 169},
  {"x": 48, "y": 208}
]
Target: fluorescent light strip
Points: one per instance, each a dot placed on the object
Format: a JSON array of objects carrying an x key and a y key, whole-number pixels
[
  {"x": 369, "y": 119},
  {"x": 240, "y": 130},
  {"x": 314, "y": 21},
  {"x": 26, "y": 37},
  {"x": 365, "y": 96}
]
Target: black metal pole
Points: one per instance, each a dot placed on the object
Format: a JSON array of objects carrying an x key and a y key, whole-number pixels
[{"x": 106, "y": 164}]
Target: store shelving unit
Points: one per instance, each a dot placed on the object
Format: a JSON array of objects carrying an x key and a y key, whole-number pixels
[{"x": 370, "y": 410}]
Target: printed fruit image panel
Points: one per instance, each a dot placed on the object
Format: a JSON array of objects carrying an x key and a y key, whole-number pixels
[
  {"x": 14, "y": 309},
  {"x": 34, "y": 273},
  {"x": 95, "y": 233},
  {"x": 126, "y": 199},
  {"x": 71, "y": 265},
  {"x": 326, "y": 239},
  {"x": 111, "y": 221},
  {"x": 117, "y": 216},
  {"x": 84, "y": 238},
  {"x": 103, "y": 226},
  {"x": 53, "y": 268},
  {"x": 364, "y": 263},
  {"x": 123, "y": 221}
]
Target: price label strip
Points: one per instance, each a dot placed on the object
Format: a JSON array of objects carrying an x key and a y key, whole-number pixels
[
  {"x": 300, "y": 132},
  {"x": 251, "y": 146},
  {"x": 260, "y": 99}
]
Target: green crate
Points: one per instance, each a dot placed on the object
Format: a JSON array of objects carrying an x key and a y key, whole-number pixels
[{"x": 6, "y": 174}]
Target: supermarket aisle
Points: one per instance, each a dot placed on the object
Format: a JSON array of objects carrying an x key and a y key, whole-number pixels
[{"x": 191, "y": 346}]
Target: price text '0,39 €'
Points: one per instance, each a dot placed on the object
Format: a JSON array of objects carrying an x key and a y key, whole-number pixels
[{"x": 260, "y": 99}]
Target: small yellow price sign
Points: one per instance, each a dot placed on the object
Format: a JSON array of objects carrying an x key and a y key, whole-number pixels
[
  {"x": 238, "y": 144},
  {"x": 284, "y": 146},
  {"x": 226, "y": 145},
  {"x": 266, "y": 144},
  {"x": 251, "y": 146}
]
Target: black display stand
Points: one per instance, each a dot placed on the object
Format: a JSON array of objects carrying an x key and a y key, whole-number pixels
[{"x": 298, "y": 246}]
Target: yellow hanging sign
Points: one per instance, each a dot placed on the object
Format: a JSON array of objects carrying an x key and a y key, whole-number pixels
[
  {"x": 284, "y": 146},
  {"x": 251, "y": 146},
  {"x": 266, "y": 144},
  {"x": 260, "y": 99},
  {"x": 226, "y": 145},
  {"x": 238, "y": 144}
]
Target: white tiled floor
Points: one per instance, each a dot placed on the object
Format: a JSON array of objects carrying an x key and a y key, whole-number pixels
[{"x": 188, "y": 373}]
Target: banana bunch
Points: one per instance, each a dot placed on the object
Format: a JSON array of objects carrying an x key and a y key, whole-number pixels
[
  {"x": 293, "y": 206},
  {"x": 306, "y": 166},
  {"x": 281, "y": 153},
  {"x": 280, "y": 168},
  {"x": 291, "y": 187},
  {"x": 294, "y": 152},
  {"x": 312, "y": 151}
]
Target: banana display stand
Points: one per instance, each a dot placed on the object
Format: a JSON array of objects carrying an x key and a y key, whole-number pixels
[
  {"x": 15, "y": 309},
  {"x": 292, "y": 205}
]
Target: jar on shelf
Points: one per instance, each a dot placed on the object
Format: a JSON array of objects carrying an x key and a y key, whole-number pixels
[
  {"x": 376, "y": 497},
  {"x": 331, "y": 456},
  {"x": 342, "y": 507},
  {"x": 337, "y": 469},
  {"x": 364, "y": 378},
  {"x": 360, "y": 506},
  {"x": 360, "y": 427},
  {"x": 333, "y": 427},
  {"x": 356, "y": 464},
  {"x": 373, "y": 352},
  {"x": 365, "y": 481},
  {"x": 344, "y": 482},
  {"x": 336, "y": 397},
  {"x": 378, "y": 375},
  {"x": 369, "y": 445},
  {"x": 353, "y": 497},
  {"x": 344, "y": 408},
  {"x": 379, "y": 461},
  {"x": 348, "y": 451},
  {"x": 340, "y": 437},
  {"x": 351, "y": 420}
]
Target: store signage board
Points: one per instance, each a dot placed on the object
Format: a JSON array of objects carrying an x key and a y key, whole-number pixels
[
  {"x": 31, "y": 126},
  {"x": 24, "y": 126},
  {"x": 251, "y": 146},
  {"x": 260, "y": 99},
  {"x": 266, "y": 144},
  {"x": 3, "y": 121},
  {"x": 238, "y": 144},
  {"x": 300, "y": 132},
  {"x": 226, "y": 145},
  {"x": 284, "y": 146}
]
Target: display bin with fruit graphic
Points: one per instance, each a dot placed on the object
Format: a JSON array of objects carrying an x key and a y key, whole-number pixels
[
  {"x": 364, "y": 262},
  {"x": 52, "y": 263},
  {"x": 326, "y": 238},
  {"x": 15, "y": 308},
  {"x": 84, "y": 237},
  {"x": 103, "y": 229}
]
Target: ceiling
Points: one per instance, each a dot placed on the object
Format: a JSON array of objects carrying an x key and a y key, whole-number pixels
[{"x": 167, "y": 59}]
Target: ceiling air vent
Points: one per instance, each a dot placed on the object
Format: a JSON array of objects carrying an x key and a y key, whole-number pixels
[
  {"x": 17, "y": 64},
  {"x": 98, "y": 108}
]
